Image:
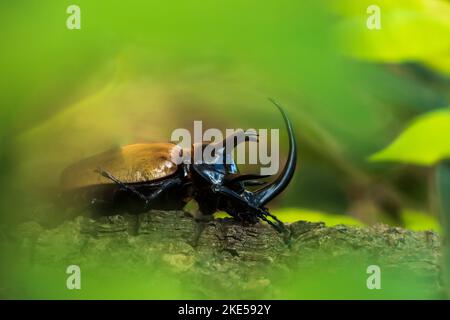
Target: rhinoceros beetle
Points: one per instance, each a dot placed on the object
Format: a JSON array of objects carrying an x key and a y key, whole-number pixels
[{"x": 138, "y": 177}]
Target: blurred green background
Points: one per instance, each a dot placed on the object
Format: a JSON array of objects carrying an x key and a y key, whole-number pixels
[{"x": 136, "y": 70}]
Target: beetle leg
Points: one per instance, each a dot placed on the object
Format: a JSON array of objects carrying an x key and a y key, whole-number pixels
[
  {"x": 262, "y": 214},
  {"x": 106, "y": 174},
  {"x": 200, "y": 223},
  {"x": 163, "y": 186}
]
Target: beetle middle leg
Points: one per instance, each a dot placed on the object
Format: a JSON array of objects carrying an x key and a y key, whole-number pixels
[
  {"x": 124, "y": 186},
  {"x": 202, "y": 214},
  {"x": 162, "y": 186}
]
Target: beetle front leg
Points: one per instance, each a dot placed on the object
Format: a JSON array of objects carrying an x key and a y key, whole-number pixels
[{"x": 216, "y": 188}]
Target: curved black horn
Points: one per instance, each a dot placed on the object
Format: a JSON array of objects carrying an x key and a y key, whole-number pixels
[
  {"x": 269, "y": 192},
  {"x": 239, "y": 136}
]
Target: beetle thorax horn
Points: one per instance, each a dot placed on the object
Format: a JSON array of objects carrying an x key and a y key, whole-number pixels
[
  {"x": 225, "y": 147},
  {"x": 264, "y": 195}
]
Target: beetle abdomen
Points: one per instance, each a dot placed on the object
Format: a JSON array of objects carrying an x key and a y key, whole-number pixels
[{"x": 135, "y": 163}]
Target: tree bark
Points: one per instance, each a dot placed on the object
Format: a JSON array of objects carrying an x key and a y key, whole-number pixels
[{"x": 233, "y": 257}]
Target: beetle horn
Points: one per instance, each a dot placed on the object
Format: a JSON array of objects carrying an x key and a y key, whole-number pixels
[
  {"x": 239, "y": 136},
  {"x": 233, "y": 178},
  {"x": 264, "y": 195}
]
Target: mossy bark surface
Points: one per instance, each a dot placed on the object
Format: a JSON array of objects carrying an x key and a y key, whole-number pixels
[{"x": 234, "y": 261}]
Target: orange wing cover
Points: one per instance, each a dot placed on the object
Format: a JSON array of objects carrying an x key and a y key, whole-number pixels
[{"x": 130, "y": 164}]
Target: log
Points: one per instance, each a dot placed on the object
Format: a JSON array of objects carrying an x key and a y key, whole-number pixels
[{"x": 234, "y": 261}]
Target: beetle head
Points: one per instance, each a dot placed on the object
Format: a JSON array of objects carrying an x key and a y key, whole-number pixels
[{"x": 221, "y": 169}]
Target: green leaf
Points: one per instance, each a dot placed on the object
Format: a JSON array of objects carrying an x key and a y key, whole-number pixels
[
  {"x": 411, "y": 30},
  {"x": 443, "y": 191},
  {"x": 425, "y": 142},
  {"x": 419, "y": 221}
]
